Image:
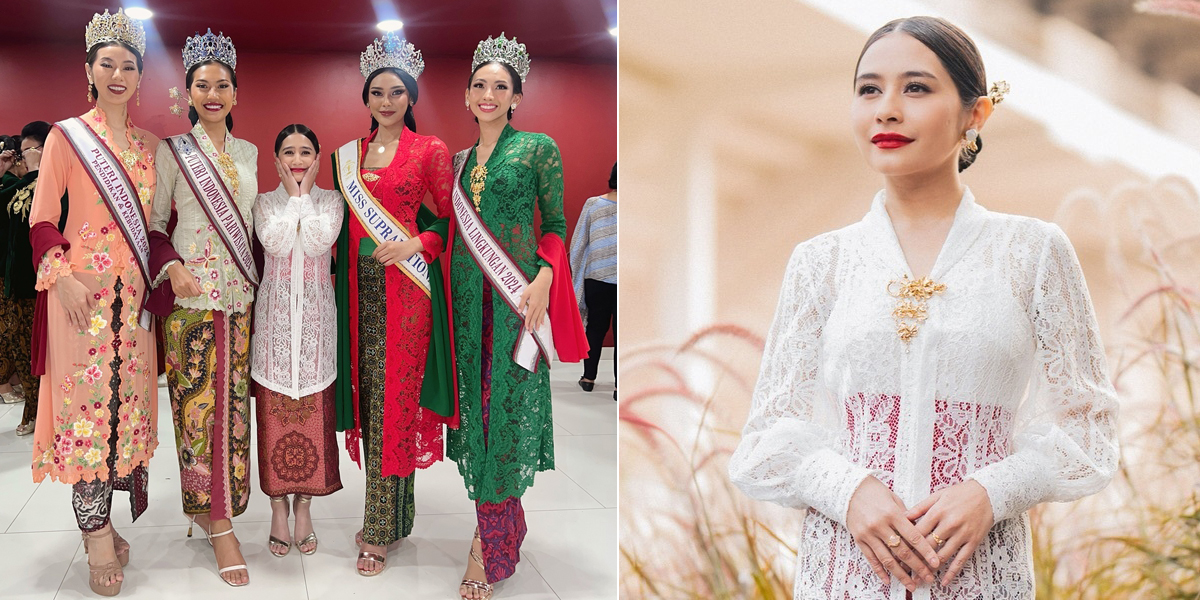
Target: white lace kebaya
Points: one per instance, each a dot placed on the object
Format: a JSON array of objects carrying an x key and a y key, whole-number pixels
[
  {"x": 1005, "y": 382},
  {"x": 295, "y": 318}
]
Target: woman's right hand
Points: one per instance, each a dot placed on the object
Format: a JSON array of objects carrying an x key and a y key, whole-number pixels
[
  {"x": 877, "y": 519},
  {"x": 183, "y": 283},
  {"x": 77, "y": 301},
  {"x": 287, "y": 179}
]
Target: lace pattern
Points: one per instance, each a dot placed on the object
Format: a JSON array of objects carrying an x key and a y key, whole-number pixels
[{"x": 1007, "y": 384}]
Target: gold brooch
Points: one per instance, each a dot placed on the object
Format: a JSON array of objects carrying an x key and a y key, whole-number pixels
[
  {"x": 369, "y": 176},
  {"x": 225, "y": 161},
  {"x": 912, "y": 297},
  {"x": 478, "y": 180}
]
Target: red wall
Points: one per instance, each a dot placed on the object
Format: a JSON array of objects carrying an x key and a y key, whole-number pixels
[{"x": 576, "y": 104}]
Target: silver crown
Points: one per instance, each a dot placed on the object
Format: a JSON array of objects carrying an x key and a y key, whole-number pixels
[
  {"x": 115, "y": 28},
  {"x": 391, "y": 50},
  {"x": 201, "y": 48},
  {"x": 505, "y": 51}
]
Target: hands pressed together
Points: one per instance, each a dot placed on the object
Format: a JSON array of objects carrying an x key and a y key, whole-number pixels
[{"x": 913, "y": 544}]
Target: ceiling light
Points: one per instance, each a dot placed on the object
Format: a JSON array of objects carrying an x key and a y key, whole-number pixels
[
  {"x": 140, "y": 13},
  {"x": 390, "y": 25},
  {"x": 613, "y": 32}
]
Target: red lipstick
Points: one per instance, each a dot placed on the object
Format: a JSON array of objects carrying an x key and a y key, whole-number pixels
[{"x": 890, "y": 140}]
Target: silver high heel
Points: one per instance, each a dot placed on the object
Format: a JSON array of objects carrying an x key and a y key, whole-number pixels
[
  {"x": 274, "y": 541},
  {"x": 310, "y": 538}
]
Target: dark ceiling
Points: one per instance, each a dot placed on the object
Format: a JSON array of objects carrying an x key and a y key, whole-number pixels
[{"x": 560, "y": 29}]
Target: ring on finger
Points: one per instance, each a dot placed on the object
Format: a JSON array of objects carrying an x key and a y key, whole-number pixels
[
  {"x": 893, "y": 541},
  {"x": 937, "y": 540}
]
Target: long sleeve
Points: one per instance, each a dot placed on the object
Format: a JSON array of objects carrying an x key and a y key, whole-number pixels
[
  {"x": 579, "y": 244},
  {"x": 787, "y": 455},
  {"x": 548, "y": 163},
  {"x": 49, "y": 246},
  {"x": 277, "y": 219},
  {"x": 166, "y": 170},
  {"x": 439, "y": 180},
  {"x": 1067, "y": 447},
  {"x": 321, "y": 222}
]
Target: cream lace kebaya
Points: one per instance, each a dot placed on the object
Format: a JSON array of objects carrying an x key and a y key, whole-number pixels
[{"x": 1006, "y": 383}]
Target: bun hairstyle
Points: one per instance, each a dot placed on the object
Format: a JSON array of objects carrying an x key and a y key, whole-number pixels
[
  {"x": 94, "y": 54},
  {"x": 512, "y": 73},
  {"x": 37, "y": 130},
  {"x": 297, "y": 128},
  {"x": 612, "y": 179},
  {"x": 194, "y": 116},
  {"x": 410, "y": 84},
  {"x": 957, "y": 54}
]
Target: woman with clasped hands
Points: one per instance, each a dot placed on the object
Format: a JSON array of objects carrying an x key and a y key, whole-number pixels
[{"x": 934, "y": 370}]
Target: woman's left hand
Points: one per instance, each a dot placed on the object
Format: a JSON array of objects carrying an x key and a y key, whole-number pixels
[
  {"x": 390, "y": 253},
  {"x": 955, "y": 520},
  {"x": 536, "y": 298},
  {"x": 310, "y": 176}
]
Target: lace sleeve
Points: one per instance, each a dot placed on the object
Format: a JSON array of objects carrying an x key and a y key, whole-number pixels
[
  {"x": 787, "y": 455},
  {"x": 319, "y": 228},
  {"x": 277, "y": 222},
  {"x": 1067, "y": 447},
  {"x": 439, "y": 180}
]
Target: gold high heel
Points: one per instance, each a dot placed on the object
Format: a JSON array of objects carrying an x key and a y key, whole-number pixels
[
  {"x": 272, "y": 540},
  {"x": 107, "y": 570},
  {"x": 209, "y": 536},
  {"x": 311, "y": 538},
  {"x": 480, "y": 586}
]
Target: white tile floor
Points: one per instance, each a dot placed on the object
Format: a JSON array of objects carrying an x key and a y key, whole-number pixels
[{"x": 569, "y": 553}]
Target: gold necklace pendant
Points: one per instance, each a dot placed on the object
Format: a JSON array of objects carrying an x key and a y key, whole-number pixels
[
  {"x": 478, "y": 181},
  {"x": 912, "y": 298},
  {"x": 129, "y": 157},
  {"x": 225, "y": 161}
]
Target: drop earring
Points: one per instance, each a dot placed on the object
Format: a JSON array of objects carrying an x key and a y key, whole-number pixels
[
  {"x": 971, "y": 137},
  {"x": 139, "y": 93},
  {"x": 89, "y": 96},
  {"x": 468, "y": 105}
]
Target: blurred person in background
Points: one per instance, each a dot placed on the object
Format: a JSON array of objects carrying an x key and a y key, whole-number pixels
[
  {"x": 594, "y": 267},
  {"x": 17, "y": 275}
]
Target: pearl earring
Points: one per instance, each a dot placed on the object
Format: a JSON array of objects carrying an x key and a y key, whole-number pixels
[{"x": 971, "y": 137}]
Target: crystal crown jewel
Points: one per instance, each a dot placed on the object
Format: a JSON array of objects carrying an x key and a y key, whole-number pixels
[
  {"x": 115, "y": 28},
  {"x": 502, "y": 50},
  {"x": 391, "y": 50},
  {"x": 201, "y": 48}
]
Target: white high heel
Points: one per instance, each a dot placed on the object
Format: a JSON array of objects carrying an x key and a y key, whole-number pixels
[{"x": 209, "y": 537}]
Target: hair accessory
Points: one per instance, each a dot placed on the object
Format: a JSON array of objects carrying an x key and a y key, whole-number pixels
[
  {"x": 201, "y": 48},
  {"x": 998, "y": 91},
  {"x": 391, "y": 50},
  {"x": 502, "y": 50},
  {"x": 176, "y": 96},
  {"x": 115, "y": 28},
  {"x": 971, "y": 137}
]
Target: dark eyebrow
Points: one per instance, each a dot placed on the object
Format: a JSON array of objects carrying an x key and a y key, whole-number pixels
[
  {"x": 394, "y": 87},
  {"x": 876, "y": 77}
]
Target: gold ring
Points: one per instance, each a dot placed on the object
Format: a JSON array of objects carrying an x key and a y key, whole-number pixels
[
  {"x": 893, "y": 541},
  {"x": 937, "y": 540}
]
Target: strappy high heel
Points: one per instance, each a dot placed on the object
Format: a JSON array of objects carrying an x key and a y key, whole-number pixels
[
  {"x": 273, "y": 541},
  {"x": 209, "y": 536},
  {"x": 311, "y": 538},
  {"x": 105, "y": 571},
  {"x": 479, "y": 586},
  {"x": 122, "y": 554}
]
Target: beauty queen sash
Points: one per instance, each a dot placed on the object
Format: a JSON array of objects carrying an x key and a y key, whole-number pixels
[
  {"x": 216, "y": 201},
  {"x": 502, "y": 273},
  {"x": 119, "y": 195},
  {"x": 371, "y": 214}
]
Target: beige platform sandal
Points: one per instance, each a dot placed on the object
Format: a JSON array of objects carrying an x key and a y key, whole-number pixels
[{"x": 107, "y": 571}]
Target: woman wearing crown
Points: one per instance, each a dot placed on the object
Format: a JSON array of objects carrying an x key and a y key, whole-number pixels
[
  {"x": 513, "y": 304},
  {"x": 392, "y": 390},
  {"x": 206, "y": 263},
  {"x": 96, "y": 427}
]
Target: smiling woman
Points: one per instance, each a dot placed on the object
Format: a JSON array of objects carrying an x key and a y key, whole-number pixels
[{"x": 913, "y": 426}]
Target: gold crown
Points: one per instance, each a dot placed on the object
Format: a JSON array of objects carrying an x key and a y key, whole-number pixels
[{"x": 116, "y": 28}]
